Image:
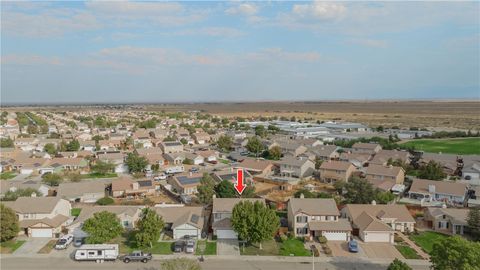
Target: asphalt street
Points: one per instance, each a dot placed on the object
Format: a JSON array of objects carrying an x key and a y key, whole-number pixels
[{"x": 13, "y": 263}]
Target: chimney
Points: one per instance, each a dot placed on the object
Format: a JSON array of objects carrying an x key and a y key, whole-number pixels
[
  {"x": 431, "y": 188},
  {"x": 374, "y": 202},
  {"x": 135, "y": 186},
  {"x": 302, "y": 196}
]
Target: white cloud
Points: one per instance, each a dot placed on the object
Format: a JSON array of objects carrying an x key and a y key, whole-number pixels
[
  {"x": 375, "y": 43},
  {"x": 319, "y": 10},
  {"x": 245, "y": 9},
  {"x": 121, "y": 8}
]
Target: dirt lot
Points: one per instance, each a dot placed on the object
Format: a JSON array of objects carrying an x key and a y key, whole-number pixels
[{"x": 262, "y": 186}]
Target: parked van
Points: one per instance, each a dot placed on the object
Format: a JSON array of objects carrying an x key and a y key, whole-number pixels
[
  {"x": 98, "y": 253},
  {"x": 175, "y": 169}
]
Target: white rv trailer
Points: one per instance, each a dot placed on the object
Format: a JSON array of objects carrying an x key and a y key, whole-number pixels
[
  {"x": 97, "y": 253},
  {"x": 175, "y": 169}
]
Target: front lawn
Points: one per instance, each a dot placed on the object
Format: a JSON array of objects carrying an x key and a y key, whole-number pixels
[
  {"x": 7, "y": 175},
  {"x": 75, "y": 212},
  {"x": 161, "y": 248},
  {"x": 293, "y": 246},
  {"x": 269, "y": 248},
  {"x": 99, "y": 175},
  {"x": 126, "y": 244},
  {"x": 210, "y": 248},
  {"x": 425, "y": 240},
  {"x": 10, "y": 246},
  {"x": 224, "y": 161},
  {"x": 407, "y": 252}
]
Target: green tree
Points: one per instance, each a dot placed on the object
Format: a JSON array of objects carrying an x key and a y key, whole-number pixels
[
  {"x": 105, "y": 201},
  {"x": 149, "y": 228},
  {"x": 183, "y": 141},
  {"x": 473, "y": 221},
  {"x": 32, "y": 129},
  {"x": 21, "y": 192},
  {"x": 102, "y": 227},
  {"x": 306, "y": 194},
  {"x": 254, "y": 222},
  {"x": 255, "y": 146},
  {"x": 103, "y": 167},
  {"x": 318, "y": 163},
  {"x": 225, "y": 189},
  {"x": 359, "y": 191},
  {"x": 398, "y": 265},
  {"x": 188, "y": 161},
  {"x": 225, "y": 142},
  {"x": 6, "y": 142},
  {"x": 50, "y": 148},
  {"x": 206, "y": 189},
  {"x": 454, "y": 253},
  {"x": 339, "y": 186},
  {"x": 275, "y": 153},
  {"x": 384, "y": 197},
  {"x": 9, "y": 227},
  {"x": 432, "y": 170},
  {"x": 180, "y": 264},
  {"x": 135, "y": 162},
  {"x": 273, "y": 129},
  {"x": 52, "y": 179},
  {"x": 260, "y": 131},
  {"x": 73, "y": 145}
]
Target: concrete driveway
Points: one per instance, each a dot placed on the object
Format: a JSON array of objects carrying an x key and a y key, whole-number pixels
[
  {"x": 340, "y": 249},
  {"x": 31, "y": 246},
  {"x": 380, "y": 250},
  {"x": 228, "y": 247}
]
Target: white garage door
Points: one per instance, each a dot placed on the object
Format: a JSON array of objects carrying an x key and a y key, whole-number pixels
[
  {"x": 377, "y": 237},
  {"x": 26, "y": 171},
  {"x": 42, "y": 232},
  {"x": 335, "y": 236},
  {"x": 226, "y": 234},
  {"x": 180, "y": 233}
]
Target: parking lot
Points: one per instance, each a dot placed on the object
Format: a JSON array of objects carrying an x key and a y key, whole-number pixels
[{"x": 370, "y": 250}]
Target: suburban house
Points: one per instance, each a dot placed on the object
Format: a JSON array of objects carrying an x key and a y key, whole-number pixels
[
  {"x": 317, "y": 217},
  {"x": 391, "y": 173},
  {"x": 183, "y": 220},
  {"x": 13, "y": 186},
  {"x": 176, "y": 158},
  {"x": 208, "y": 155},
  {"x": 369, "y": 148},
  {"x": 84, "y": 192},
  {"x": 41, "y": 216},
  {"x": 447, "y": 220},
  {"x": 201, "y": 138},
  {"x": 67, "y": 164},
  {"x": 222, "y": 212},
  {"x": 431, "y": 190},
  {"x": 128, "y": 187},
  {"x": 295, "y": 167},
  {"x": 257, "y": 167},
  {"x": 185, "y": 183},
  {"x": 195, "y": 158},
  {"x": 471, "y": 172},
  {"x": 324, "y": 152},
  {"x": 333, "y": 171},
  {"x": 383, "y": 156},
  {"x": 378, "y": 222},
  {"x": 116, "y": 158},
  {"x": 292, "y": 147},
  {"x": 231, "y": 175},
  {"x": 358, "y": 159},
  {"x": 171, "y": 147},
  {"x": 128, "y": 215}
]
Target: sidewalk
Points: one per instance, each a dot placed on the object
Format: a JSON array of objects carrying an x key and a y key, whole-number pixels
[{"x": 419, "y": 251}]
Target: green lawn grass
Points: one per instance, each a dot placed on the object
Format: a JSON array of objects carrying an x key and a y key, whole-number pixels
[
  {"x": 10, "y": 246},
  {"x": 99, "y": 175},
  {"x": 75, "y": 212},
  {"x": 461, "y": 146},
  {"x": 7, "y": 175},
  {"x": 161, "y": 248},
  {"x": 224, "y": 161},
  {"x": 210, "y": 248},
  {"x": 407, "y": 252},
  {"x": 425, "y": 240},
  {"x": 293, "y": 246}
]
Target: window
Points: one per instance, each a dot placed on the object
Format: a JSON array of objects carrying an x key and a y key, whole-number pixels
[
  {"x": 302, "y": 230},
  {"x": 125, "y": 223},
  {"x": 91, "y": 253},
  {"x": 99, "y": 252},
  {"x": 302, "y": 219}
]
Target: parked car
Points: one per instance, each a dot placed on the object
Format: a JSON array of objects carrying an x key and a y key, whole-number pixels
[
  {"x": 194, "y": 170},
  {"x": 213, "y": 162},
  {"x": 353, "y": 246},
  {"x": 136, "y": 256},
  {"x": 161, "y": 176},
  {"x": 78, "y": 242},
  {"x": 64, "y": 241},
  {"x": 178, "y": 246},
  {"x": 190, "y": 247}
]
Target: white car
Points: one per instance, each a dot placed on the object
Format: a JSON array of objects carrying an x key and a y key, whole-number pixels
[
  {"x": 190, "y": 246},
  {"x": 161, "y": 176},
  {"x": 64, "y": 241}
]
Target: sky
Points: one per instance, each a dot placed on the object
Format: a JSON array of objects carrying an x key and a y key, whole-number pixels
[{"x": 131, "y": 51}]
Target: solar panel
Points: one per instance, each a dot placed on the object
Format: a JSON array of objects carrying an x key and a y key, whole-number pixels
[
  {"x": 144, "y": 183},
  {"x": 185, "y": 180}
]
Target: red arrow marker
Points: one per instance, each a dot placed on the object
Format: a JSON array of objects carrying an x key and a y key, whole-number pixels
[{"x": 239, "y": 186}]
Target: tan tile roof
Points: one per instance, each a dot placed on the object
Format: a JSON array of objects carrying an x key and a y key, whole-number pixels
[
  {"x": 182, "y": 215},
  {"x": 369, "y": 146},
  {"x": 452, "y": 188},
  {"x": 458, "y": 215},
  {"x": 255, "y": 164},
  {"x": 335, "y": 165},
  {"x": 52, "y": 222},
  {"x": 398, "y": 211},
  {"x": 383, "y": 170},
  {"x": 41, "y": 205},
  {"x": 88, "y": 211},
  {"x": 367, "y": 222},
  {"x": 314, "y": 206}
]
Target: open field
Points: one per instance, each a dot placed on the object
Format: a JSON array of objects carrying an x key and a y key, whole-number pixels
[
  {"x": 404, "y": 114},
  {"x": 461, "y": 146}
]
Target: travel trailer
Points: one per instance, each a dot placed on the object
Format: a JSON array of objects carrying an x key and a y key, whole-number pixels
[
  {"x": 98, "y": 253},
  {"x": 175, "y": 169}
]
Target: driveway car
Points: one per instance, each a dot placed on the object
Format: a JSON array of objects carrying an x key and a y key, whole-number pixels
[
  {"x": 190, "y": 247},
  {"x": 353, "y": 246},
  {"x": 178, "y": 246},
  {"x": 64, "y": 241},
  {"x": 137, "y": 256},
  {"x": 78, "y": 242}
]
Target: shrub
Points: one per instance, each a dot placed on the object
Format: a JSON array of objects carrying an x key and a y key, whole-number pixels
[
  {"x": 316, "y": 253},
  {"x": 283, "y": 237},
  {"x": 105, "y": 201},
  {"x": 397, "y": 238},
  {"x": 322, "y": 239},
  {"x": 327, "y": 250}
]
